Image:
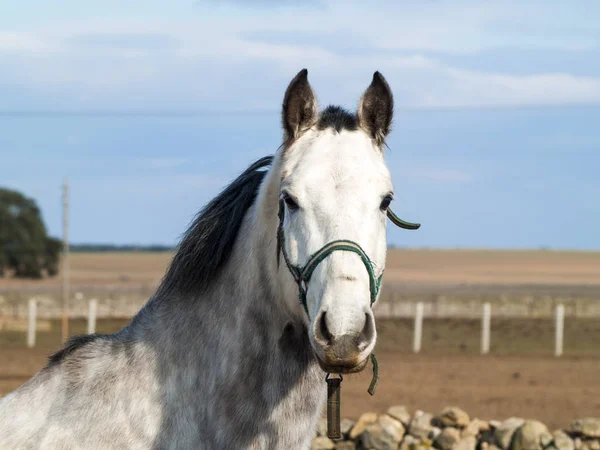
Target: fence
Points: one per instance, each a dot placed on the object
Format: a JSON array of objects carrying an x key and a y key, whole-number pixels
[
  {"x": 484, "y": 311},
  {"x": 124, "y": 302}
]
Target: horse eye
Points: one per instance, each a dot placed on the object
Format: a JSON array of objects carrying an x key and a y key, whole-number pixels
[
  {"x": 290, "y": 202},
  {"x": 385, "y": 203}
]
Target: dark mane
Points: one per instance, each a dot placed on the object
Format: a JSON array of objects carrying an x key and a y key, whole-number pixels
[
  {"x": 337, "y": 118},
  {"x": 74, "y": 343},
  {"x": 204, "y": 249},
  {"x": 207, "y": 244}
]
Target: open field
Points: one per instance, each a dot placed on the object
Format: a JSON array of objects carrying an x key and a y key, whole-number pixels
[
  {"x": 99, "y": 269},
  {"x": 405, "y": 267},
  {"x": 520, "y": 377}
]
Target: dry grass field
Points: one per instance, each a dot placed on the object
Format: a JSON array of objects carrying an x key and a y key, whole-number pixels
[
  {"x": 126, "y": 269},
  {"x": 407, "y": 267},
  {"x": 450, "y": 267}
]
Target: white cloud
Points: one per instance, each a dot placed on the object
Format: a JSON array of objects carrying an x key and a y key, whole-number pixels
[
  {"x": 462, "y": 88},
  {"x": 210, "y": 62},
  {"x": 24, "y": 43}
]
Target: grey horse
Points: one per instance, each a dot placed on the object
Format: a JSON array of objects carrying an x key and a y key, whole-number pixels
[{"x": 224, "y": 355}]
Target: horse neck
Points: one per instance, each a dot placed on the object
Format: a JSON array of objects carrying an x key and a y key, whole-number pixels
[
  {"x": 250, "y": 285},
  {"x": 241, "y": 328}
]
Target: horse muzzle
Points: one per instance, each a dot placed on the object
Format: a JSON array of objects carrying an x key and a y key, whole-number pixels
[{"x": 346, "y": 352}]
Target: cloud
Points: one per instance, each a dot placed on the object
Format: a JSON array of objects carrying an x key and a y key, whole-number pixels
[
  {"x": 430, "y": 53},
  {"x": 135, "y": 41},
  {"x": 489, "y": 89},
  {"x": 23, "y": 43}
]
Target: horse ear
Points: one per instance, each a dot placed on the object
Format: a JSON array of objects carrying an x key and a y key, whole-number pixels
[
  {"x": 376, "y": 108},
  {"x": 300, "y": 108}
]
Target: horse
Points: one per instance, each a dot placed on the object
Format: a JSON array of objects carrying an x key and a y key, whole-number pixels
[{"x": 255, "y": 308}]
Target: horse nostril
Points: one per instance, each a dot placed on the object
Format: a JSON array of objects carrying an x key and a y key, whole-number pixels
[
  {"x": 368, "y": 333},
  {"x": 322, "y": 332}
]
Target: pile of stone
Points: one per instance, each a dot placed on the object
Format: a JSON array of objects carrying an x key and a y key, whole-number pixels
[{"x": 453, "y": 429}]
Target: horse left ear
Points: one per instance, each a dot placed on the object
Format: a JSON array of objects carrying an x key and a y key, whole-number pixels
[{"x": 376, "y": 108}]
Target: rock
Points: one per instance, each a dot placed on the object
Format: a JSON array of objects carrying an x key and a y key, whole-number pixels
[
  {"x": 322, "y": 443},
  {"x": 447, "y": 438},
  {"x": 392, "y": 426},
  {"x": 593, "y": 445},
  {"x": 530, "y": 435},
  {"x": 467, "y": 443},
  {"x": 435, "y": 432},
  {"x": 362, "y": 423},
  {"x": 452, "y": 416},
  {"x": 346, "y": 445},
  {"x": 345, "y": 427},
  {"x": 420, "y": 425},
  {"x": 385, "y": 434},
  {"x": 577, "y": 443},
  {"x": 322, "y": 427},
  {"x": 562, "y": 441},
  {"x": 409, "y": 443},
  {"x": 588, "y": 427},
  {"x": 426, "y": 443},
  {"x": 475, "y": 427},
  {"x": 400, "y": 413},
  {"x": 486, "y": 436},
  {"x": 546, "y": 439},
  {"x": 504, "y": 432},
  {"x": 494, "y": 424}
]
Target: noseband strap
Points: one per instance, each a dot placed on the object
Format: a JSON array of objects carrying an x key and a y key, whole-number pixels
[{"x": 302, "y": 275}]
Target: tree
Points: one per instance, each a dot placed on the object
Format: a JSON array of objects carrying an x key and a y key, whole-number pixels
[{"x": 25, "y": 246}]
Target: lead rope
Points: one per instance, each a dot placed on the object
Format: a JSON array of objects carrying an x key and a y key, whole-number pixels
[{"x": 375, "y": 378}]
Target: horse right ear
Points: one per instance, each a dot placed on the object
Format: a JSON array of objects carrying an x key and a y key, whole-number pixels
[{"x": 300, "y": 109}]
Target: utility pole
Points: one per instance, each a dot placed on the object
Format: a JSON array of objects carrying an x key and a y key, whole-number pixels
[{"x": 65, "y": 262}]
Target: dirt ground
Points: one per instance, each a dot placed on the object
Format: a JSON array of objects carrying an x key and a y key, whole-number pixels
[
  {"x": 555, "y": 391},
  {"x": 519, "y": 378}
]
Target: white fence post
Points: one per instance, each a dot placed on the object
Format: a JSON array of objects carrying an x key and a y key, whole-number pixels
[
  {"x": 31, "y": 323},
  {"x": 560, "y": 322},
  {"x": 418, "y": 332},
  {"x": 93, "y": 307},
  {"x": 485, "y": 328}
]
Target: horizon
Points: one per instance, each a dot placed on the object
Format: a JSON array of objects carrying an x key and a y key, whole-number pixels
[{"x": 168, "y": 248}]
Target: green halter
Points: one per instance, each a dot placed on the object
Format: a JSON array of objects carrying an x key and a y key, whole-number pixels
[{"x": 302, "y": 274}]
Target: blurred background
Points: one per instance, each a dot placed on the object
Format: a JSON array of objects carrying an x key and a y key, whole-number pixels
[{"x": 120, "y": 120}]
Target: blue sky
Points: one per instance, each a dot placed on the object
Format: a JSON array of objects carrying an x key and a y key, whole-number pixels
[{"x": 151, "y": 107}]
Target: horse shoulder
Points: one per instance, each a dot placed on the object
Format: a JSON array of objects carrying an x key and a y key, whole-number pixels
[{"x": 87, "y": 389}]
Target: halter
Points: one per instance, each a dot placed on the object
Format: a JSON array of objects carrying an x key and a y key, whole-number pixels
[{"x": 302, "y": 275}]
